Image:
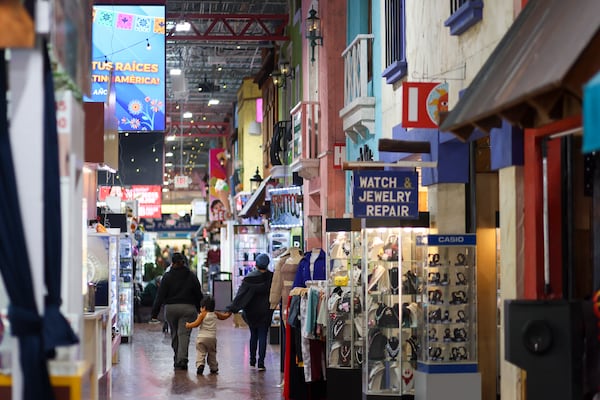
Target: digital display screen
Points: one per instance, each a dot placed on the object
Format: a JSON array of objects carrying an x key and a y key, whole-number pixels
[{"x": 130, "y": 42}]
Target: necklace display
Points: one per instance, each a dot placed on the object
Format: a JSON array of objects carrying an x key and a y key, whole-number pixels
[
  {"x": 345, "y": 354},
  {"x": 394, "y": 281},
  {"x": 393, "y": 348}
]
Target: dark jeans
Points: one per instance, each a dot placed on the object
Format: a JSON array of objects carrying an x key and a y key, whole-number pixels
[{"x": 258, "y": 336}]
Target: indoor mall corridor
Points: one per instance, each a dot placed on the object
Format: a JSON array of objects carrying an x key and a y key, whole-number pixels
[{"x": 145, "y": 369}]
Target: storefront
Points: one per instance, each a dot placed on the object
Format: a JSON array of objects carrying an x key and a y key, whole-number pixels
[{"x": 534, "y": 79}]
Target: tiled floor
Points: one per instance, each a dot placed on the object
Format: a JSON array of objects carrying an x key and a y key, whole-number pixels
[{"x": 145, "y": 369}]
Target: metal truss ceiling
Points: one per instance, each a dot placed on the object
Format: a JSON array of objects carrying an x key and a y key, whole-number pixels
[{"x": 225, "y": 44}]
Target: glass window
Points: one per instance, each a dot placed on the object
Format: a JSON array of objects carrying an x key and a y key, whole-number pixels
[
  {"x": 395, "y": 45},
  {"x": 463, "y": 15}
]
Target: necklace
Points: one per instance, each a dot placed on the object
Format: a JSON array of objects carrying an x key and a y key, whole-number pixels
[
  {"x": 359, "y": 355},
  {"x": 394, "y": 283},
  {"x": 345, "y": 354},
  {"x": 393, "y": 348},
  {"x": 338, "y": 326}
]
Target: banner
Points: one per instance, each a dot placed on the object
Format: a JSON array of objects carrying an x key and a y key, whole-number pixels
[
  {"x": 218, "y": 188},
  {"x": 130, "y": 40},
  {"x": 422, "y": 103},
  {"x": 149, "y": 198},
  {"x": 169, "y": 223}
]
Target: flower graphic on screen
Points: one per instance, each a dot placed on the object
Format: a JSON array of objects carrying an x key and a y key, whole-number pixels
[
  {"x": 135, "y": 107},
  {"x": 142, "y": 114}
]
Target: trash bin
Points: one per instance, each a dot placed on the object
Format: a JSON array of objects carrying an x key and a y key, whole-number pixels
[{"x": 222, "y": 290}]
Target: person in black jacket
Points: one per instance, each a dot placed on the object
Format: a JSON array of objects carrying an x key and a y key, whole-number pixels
[
  {"x": 253, "y": 299},
  {"x": 181, "y": 294}
]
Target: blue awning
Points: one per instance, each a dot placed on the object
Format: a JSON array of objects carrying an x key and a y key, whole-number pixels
[{"x": 591, "y": 115}]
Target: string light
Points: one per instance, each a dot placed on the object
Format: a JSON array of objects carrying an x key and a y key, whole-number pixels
[{"x": 148, "y": 46}]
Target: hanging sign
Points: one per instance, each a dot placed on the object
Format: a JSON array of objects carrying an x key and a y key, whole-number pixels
[
  {"x": 181, "y": 182},
  {"x": 422, "y": 103},
  {"x": 385, "y": 194},
  {"x": 339, "y": 155},
  {"x": 286, "y": 207}
]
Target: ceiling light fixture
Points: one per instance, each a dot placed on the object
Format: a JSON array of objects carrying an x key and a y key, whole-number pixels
[
  {"x": 213, "y": 102},
  {"x": 169, "y": 154},
  {"x": 175, "y": 71},
  {"x": 183, "y": 26},
  {"x": 187, "y": 114}
]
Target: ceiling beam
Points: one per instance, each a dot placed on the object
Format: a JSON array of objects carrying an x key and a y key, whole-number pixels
[{"x": 220, "y": 27}]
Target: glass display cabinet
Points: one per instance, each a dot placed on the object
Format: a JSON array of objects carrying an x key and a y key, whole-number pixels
[
  {"x": 125, "y": 288},
  {"x": 392, "y": 288},
  {"x": 249, "y": 241},
  {"x": 448, "y": 322},
  {"x": 344, "y": 302}
]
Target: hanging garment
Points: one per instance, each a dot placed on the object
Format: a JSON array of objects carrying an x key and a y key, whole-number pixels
[{"x": 311, "y": 267}]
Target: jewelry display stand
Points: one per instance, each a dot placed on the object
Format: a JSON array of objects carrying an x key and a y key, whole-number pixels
[
  {"x": 249, "y": 242},
  {"x": 344, "y": 302},
  {"x": 392, "y": 269},
  {"x": 447, "y": 366}
]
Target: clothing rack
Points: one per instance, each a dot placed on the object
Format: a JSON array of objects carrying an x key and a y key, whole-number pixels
[{"x": 320, "y": 284}]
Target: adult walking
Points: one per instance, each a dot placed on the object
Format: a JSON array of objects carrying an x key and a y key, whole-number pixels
[
  {"x": 253, "y": 299},
  {"x": 181, "y": 294}
]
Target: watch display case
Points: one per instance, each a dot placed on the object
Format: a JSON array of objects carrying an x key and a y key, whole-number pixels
[
  {"x": 448, "y": 318},
  {"x": 392, "y": 287},
  {"x": 249, "y": 241}
]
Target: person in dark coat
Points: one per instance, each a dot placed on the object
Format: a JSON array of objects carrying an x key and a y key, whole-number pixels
[
  {"x": 150, "y": 291},
  {"x": 181, "y": 294},
  {"x": 253, "y": 299}
]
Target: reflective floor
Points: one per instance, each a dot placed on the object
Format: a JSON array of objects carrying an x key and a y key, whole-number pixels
[{"x": 145, "y": 368}]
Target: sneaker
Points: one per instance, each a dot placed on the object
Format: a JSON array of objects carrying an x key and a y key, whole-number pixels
[
  {"x": 200, "y": 370},
  {"x": 214, "y": 371},
  {"x": 252, "y": 363},
  {"x": 261, "y": 367}
]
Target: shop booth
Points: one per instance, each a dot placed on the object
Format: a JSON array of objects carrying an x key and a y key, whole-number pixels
[{"x": 544, "y": 95}]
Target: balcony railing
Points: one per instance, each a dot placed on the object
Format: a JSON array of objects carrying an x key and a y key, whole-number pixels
[
  {"x": 358, "y": 113},
  {"x": 305, "y": 139}
]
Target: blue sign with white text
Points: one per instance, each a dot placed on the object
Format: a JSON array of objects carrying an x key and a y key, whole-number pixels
[
  {"x": 452, "y": 240},
  {"x": 380, "y": 194}
]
